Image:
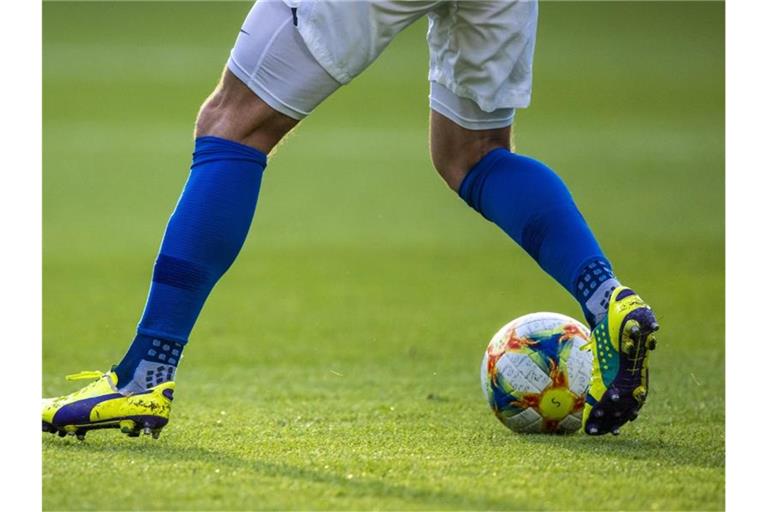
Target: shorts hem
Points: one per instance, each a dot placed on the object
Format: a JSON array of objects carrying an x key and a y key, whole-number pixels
[
  {"x": 470, "y": 124},
  {"x": 513, "y": 99}
]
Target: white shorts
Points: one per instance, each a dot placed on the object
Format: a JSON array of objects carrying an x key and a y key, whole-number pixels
[{"x": 295, "y": 53}]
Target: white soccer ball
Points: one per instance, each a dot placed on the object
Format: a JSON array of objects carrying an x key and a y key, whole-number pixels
[{"x": 535, "y": 374}]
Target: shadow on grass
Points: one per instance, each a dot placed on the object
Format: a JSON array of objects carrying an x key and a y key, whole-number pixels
[
  {"x": 668, "y": 452},
  {"x": 630, "y": 448},
  {"x": 360, "y": 486}
]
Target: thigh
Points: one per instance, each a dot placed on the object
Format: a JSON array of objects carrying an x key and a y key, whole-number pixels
[
  {"x": 272, "y": 60},
  {"x": 483, "y": 50},
  {"x": 295, "y": 53}
]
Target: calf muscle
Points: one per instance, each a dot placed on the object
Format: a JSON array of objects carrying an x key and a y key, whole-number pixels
[{"x": 455, "y": 150}]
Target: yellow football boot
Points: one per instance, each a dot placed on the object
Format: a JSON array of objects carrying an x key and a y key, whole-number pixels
[
  {"x": 100, "y": 405},
  {"x": 620, "y": 346}
]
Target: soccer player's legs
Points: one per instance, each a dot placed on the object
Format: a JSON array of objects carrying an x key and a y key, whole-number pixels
[
  {"x": 532, "y": 205},
  {"x": 470, "y": 130},
  {"x": 272, "y": 82}
]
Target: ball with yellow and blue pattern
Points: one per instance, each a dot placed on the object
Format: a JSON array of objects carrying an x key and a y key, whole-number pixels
[{"x": 536, "y": 372}]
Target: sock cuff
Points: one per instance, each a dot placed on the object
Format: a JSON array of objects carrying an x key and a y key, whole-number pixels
[
  {"x": 212, "y": 149},
  {"x": 163, "y": 335},
  {"x": 471, "y": 186}
]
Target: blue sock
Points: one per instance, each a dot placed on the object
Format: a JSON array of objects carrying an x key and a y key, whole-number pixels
[
  {"x": 203, "y": 237},
  {"x": 530, "y": 203}
]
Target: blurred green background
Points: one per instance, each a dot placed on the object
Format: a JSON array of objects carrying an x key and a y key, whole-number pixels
[{"x": 336, "y": 364}]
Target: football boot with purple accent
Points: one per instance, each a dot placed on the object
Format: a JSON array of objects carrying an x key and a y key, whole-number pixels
[
  {"x": 100, "y": 405},
  {"x": 620, "y": 346}
]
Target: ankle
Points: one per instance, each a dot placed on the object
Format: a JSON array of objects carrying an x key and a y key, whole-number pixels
[
  {"x": 149, "y": 362},
  {"x": 593, "y": 287}
]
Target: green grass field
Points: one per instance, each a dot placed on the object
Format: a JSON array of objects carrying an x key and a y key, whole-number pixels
[{"x": 336, "y": 364}]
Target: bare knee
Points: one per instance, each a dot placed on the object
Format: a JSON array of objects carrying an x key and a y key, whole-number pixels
[
  {"x": 455, "y": 150},
  {"x": 235, "y": 113}
]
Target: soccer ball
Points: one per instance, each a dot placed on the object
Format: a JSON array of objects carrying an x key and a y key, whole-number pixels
[{"x": 535, "y": 375}]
